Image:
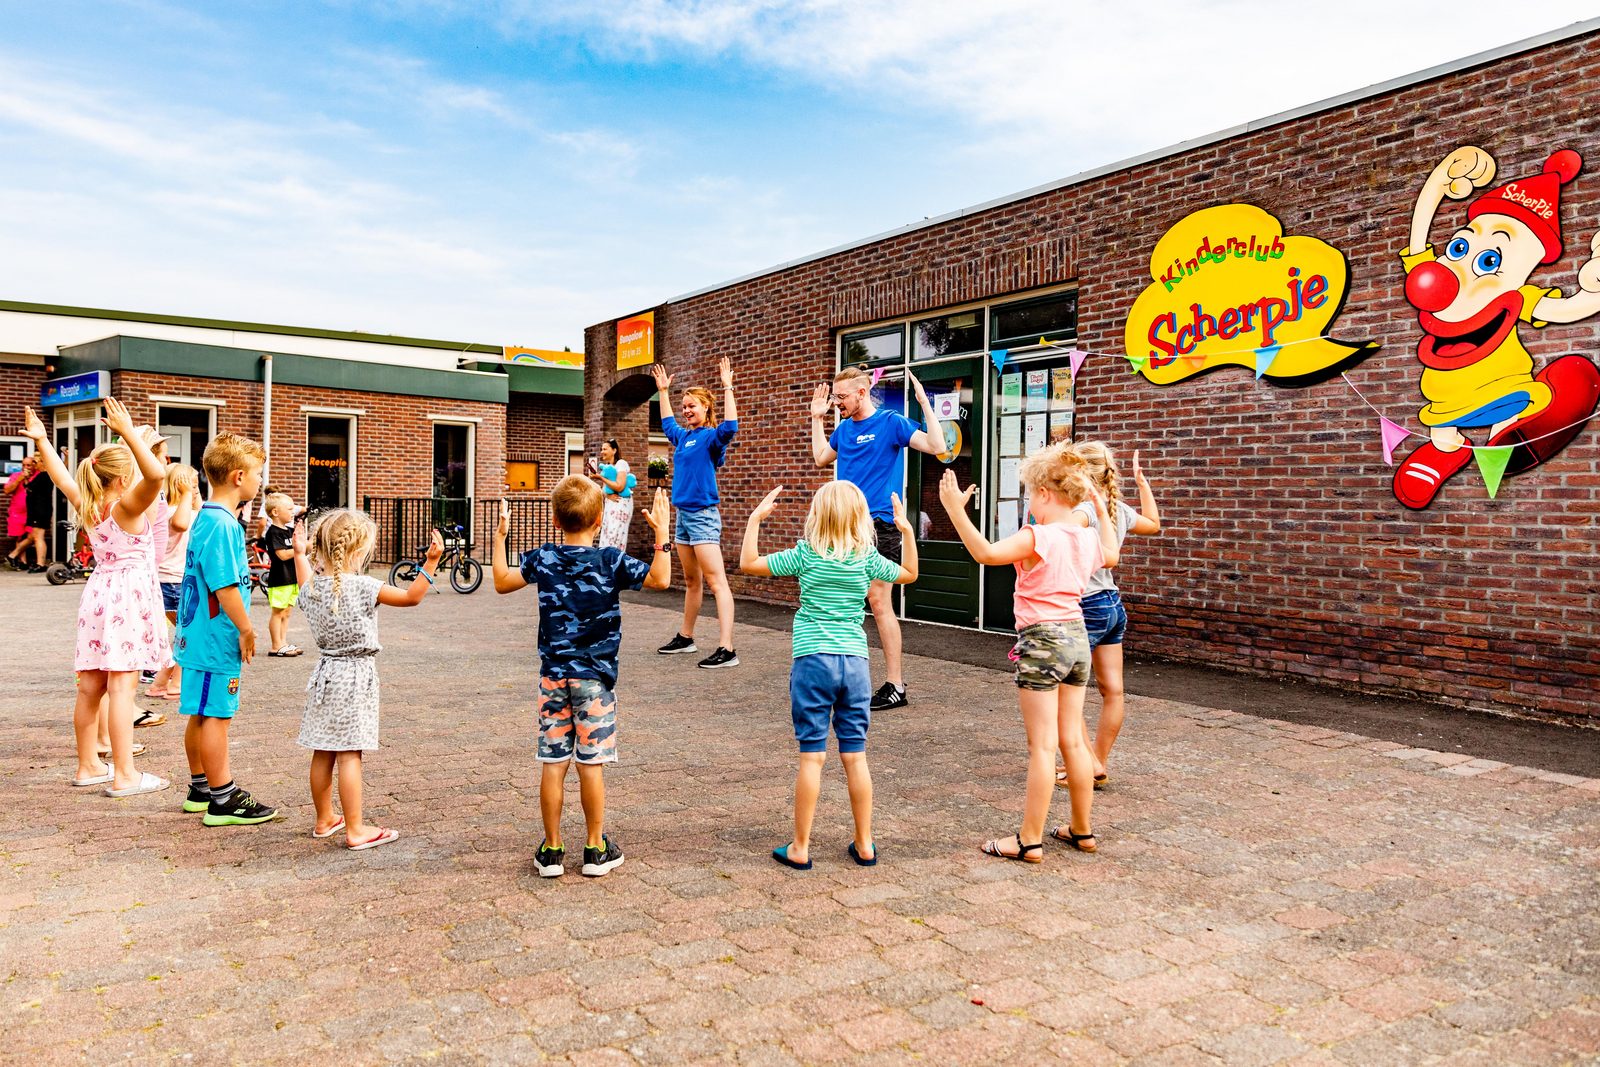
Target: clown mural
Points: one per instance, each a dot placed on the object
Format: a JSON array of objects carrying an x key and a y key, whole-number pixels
[{"x": 1476, "y": 375}]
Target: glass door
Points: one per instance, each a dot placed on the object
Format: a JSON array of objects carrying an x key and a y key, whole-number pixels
[
  {"x": 328, "y": 456},
  {"x": 947, "y": 589}
]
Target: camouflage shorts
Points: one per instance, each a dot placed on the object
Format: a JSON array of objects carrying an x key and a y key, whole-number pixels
[
  {"x": 577, "y": 718},
  {"x": 1049, "y": 654}
]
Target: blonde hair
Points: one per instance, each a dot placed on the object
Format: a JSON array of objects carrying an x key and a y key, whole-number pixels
[
  {"x": 703, "y": 395},
  {"x": 839, "y": 523},
  {"x": 1059, "y": 469},
  {"x": 577, "y": 503},
  {"x": 851, "y": 374},
  {"x": 106, "y": 465},
  {"x": 229, "y": 452},
  {"x": 181, "y": 478},
  {"x": 1101, "y": 466},
  {"x": 341, "y": 542},
  {"x": 276, "y": 500}
]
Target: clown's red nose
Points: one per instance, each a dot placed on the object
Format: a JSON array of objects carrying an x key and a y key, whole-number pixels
[{"x": 1431, "y": 287}]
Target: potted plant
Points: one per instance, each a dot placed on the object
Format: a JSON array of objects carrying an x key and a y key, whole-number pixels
[{"x": 657, "y": 469}]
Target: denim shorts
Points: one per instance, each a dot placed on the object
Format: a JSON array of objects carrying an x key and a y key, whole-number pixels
[
  {"x": 1105, "y": 618},
  {"x": 698, "y": 526},
  {"x": 171, "y": 594},
  {"x": 825, "y": 688},
  {"x": 1049, "y": 654}
]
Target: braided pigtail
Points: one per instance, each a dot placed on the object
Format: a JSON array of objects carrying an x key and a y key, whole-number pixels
[{"x": 341, "y": 542}]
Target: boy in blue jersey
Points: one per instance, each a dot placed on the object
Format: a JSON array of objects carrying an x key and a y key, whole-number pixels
[
  {"x": 869, "y": 445},
  {"x": 215, "y": 638}
]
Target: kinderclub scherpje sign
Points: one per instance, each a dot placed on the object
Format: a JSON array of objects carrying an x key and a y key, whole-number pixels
[{"x": 75, "y": 389}]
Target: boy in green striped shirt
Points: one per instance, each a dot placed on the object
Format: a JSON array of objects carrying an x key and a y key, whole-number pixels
[{"x": 830, "y": 681}]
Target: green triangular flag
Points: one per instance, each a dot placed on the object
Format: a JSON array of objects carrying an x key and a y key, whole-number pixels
[
  {"x": 1137, "y": 363},
  {"x": 1492, "y": 465}
]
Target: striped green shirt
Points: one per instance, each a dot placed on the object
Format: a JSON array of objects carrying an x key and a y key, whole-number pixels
[{"x": 832, "y": 597}]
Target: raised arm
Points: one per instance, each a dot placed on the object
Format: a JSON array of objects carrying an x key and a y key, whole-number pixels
[
  {"x": 1456, "y": 176},
  {"x": 137, "y": 500},
  {"x": 59, "y": 475},
  {"x": 303, "y": 574},
  {"x": 663, "y": 389},
  {"x": 821, "y": 401},
  {"x": 1107, "y": 529},
  {"x": 184, "y": 511},
  {"x": 731, "y": 409},
  {"x": 417, "y": 591},
  {"x": 659, "y": 519},
  {"x": 930, "y": 439},
  {"x": 506, "y": 580},
  {"x": 1149, "y": 521},
  {"x": 908, "y": 542},
  {"x": 751, "y": 561},
  {"x": 1014, "y": 549}
]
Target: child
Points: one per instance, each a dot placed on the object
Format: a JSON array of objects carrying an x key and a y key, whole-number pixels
[
  {"x": 282, "y": 584},
  {"x": 1054, "y": 560},
  {"x": 183, "y": 493},
  {"x": 341, "y": 605},
  {"x": 1104, "y": 617},
  {"x": 215, "y": 638},
  {"x": 118, "y": 616},
  {"x": 580, "y": 634},
  {"x": 831, "y": 678}
]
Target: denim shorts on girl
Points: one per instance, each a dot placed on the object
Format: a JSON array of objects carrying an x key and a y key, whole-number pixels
[
  {"x": 1105, "y": 618},
  {"x": 171, "y": 594},
  {"x": 698, "y": 526},
  {"x": 825, "y": 688},
  {"x": 1048, "y": 654}
]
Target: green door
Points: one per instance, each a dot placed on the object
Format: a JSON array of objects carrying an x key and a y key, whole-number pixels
[{"x": 947, "y": 588}]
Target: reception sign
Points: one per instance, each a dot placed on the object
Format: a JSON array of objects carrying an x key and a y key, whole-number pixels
[
  {"x": 636, "y": 341},
  {"x": 1228, "y": 288},
  {"x": 75, "y": 389}
]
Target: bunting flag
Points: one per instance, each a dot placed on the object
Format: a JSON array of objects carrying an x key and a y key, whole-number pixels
[
  {"x": 1137, "y": 363},
  {"x": 877, "y": 372},
  {"x": 1264, "y": 358},
  {"x": 1492, "y": 465},
  {"x": 1196, "y": 361},
  {"x": 1393, "y": 434},
  {"x": 1077, "y": 356},
  {"x": 999, "y": 357}
]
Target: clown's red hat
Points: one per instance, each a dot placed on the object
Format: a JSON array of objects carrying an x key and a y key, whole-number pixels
[{"x": 1535, "y": 201}]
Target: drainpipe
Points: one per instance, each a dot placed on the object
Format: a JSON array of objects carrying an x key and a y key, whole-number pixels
[{"x": 266, "y": 417}]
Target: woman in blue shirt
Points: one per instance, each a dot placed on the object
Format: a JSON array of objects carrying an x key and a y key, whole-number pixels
[{"x": 699, "y": 444}]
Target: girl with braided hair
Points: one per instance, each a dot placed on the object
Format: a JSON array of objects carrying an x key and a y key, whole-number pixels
[{"x": 340, "y": 602}]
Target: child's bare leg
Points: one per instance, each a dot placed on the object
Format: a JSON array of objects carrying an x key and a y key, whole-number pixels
[
  {"x": 692, "y": 593},
  {"x": 1108, "y": 676},
  {"x": 349, "y": 764},
  {"x": 322, "y": 790},
  {"x": 592, "y": 795},
  {"x": 858, "y": 780},
  {"x": 807, "y": 787},
  {"x": 211, "y": 745},
  {"x": 1080, "y": 763},
  {"x": 174, "y": 679},
  {"x": 552, "y": 786},
  {"x": 1039, "y": 719},
  {"x": 191, "y": 746},
  {"x": 119, "y": 695},
  {"x": 710, "y": 560},
  {"x": 86, "y": 723},
  {"x": 103, "y": 720}
]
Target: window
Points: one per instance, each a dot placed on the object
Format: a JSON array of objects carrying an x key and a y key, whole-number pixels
[
  {"x": 452, "y": 460},
  {"x": 948, "y": 335},
  {"x": 1053, "y": 317},
  {"x": 875, "y": 346},
  {"x": 12, "y": 451}
]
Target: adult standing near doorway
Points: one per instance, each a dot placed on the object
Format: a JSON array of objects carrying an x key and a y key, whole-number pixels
[
  {"x": 616, "y": 482},
  {"x": 41, "y": 505},
  {"x": 869, "y": 447},
  {"x": 17, "y": 512},
  {"x": 699, "y": 444}
]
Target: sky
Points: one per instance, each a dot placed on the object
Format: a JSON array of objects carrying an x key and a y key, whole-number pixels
[{"x": 510, "y": 171}]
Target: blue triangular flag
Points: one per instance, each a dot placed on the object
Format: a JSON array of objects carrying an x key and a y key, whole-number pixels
[
  {"x": 1264, "y": 358},
  {"x": 999, "y": 357}
]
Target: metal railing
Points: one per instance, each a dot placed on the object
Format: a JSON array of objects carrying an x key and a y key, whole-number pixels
[{"x": 406, "y": 522}]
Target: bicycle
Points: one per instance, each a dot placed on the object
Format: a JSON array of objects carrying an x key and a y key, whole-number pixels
[
  {"x": 80, "y": 564},
  {"x": 466, "y": 573}
]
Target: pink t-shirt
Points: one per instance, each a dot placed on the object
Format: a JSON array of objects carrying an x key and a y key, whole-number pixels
[{"x": 1052, "y": 589}]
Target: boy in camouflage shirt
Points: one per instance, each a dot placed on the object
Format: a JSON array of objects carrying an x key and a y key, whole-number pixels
[{"x": 580, "y": 634}]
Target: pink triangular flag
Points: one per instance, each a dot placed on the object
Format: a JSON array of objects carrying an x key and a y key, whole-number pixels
[
  {"x": 1393, "y": 434},
  {"x": 877, "y": 372},
  {"x": 1077, "y": 356}
]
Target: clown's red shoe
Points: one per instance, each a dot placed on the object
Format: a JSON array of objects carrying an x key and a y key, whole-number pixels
[
  {"x": 1422, "y": 474},
  {"x": 1575, "y": 384}
]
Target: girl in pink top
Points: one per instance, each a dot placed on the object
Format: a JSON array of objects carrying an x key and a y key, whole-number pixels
[{"x": 1054, "y": 559}]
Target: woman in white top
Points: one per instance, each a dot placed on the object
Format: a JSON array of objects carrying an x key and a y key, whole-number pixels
[{"x": 615, "y": 480}]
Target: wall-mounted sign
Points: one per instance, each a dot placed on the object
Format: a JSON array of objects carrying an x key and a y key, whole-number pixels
[
  {"x": 75, "y": 389},
  {"x": 636, "y": 341},
  {"x": 542, "y": 357},
  {"x": 336, "y": 461},
  {"x": 1228, "y": 288}
]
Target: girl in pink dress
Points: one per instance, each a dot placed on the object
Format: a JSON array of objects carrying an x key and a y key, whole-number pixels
[{"x": 120, "y": 627}]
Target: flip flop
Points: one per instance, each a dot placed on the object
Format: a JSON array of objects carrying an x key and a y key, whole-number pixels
[
  {"x": 781, "y": 854},
  {"x": 330, "y": 831},
  {"x": 148, "y": 783},
  {"x": 856, "y": 855},
  {"x": 138, "y": 750},
  {"x": 287, "y": 651},
  {"x": 156, "y": 694},
  {"x": 99, "y": 779},
  {"x": 385, "y": 836},
  {"x": 148, "y": 718}
]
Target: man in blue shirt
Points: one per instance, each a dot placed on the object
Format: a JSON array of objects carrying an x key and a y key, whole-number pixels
[{"x": 869, "y": 444}]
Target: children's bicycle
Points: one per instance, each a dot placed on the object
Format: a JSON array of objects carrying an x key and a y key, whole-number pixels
[
  {"x": 78, "y": 565},
  {"x": 466, "y": 573}
]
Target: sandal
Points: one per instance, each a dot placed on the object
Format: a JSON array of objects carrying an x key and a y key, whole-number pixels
[
  {"x": 105, "y": 754},
  {"x": 855, "y": 854},
  {"x": 330, "y": 831},
  {"x": 1023, "y": 853},
  {"x": 104, "y": 778},
  {"x": 148, "y": 783},
  {"x": 1100, "y": 780},
  {"x": 384, "y": 837},
  {"x": 288, "y": 650},
  {"x": 1065, "y": 834},
  {"x": 781, "y": 854},
  {"x": 148, "y": 718}
]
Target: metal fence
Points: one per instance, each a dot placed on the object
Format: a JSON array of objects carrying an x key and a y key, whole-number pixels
[{"x": 405, "y": 523}]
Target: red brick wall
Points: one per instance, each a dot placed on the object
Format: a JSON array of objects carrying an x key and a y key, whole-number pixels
[
  {"x": 538, "y": 424},
  {"x": 19, "y": 388},
  {"x": 1284, "y": 548}
]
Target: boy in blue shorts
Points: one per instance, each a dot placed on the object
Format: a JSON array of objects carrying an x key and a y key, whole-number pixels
[
  {"x": 215, "y": 638},
  {"x": 580, "y": 635}
]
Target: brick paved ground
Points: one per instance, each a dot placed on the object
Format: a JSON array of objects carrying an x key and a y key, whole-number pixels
[{"x": 1265, "y": 892}]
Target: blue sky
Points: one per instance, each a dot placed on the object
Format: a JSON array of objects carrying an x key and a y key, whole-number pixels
[{"x": 507, "y": 171}]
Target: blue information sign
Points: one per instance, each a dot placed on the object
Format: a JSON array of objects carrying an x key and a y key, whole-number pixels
[{"x": 75, "y": 389}]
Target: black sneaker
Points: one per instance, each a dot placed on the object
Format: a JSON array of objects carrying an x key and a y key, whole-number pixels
[
  {"x": 146, "y": 677},
  {"x": 551, "y": 862},
  {"x": 603, "y": 860},
  {"x": 889, "y": 696},
  {"x": 722, "y": 657},
  {"x": 242, "y": 809},
  {"x": 197, "y": 801},
  {"x": 679, "y": 643}
]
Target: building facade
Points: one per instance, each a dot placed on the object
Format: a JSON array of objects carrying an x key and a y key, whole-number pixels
[{"x": 1236, "y": 309}]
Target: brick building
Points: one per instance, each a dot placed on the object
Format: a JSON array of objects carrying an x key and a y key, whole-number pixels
[
  {"x": 345, "y": 416},
  {"x": 1287, "y": 547}
]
